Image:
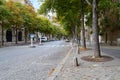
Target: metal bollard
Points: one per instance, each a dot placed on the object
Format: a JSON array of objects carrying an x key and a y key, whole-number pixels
[{"x": 75, "y": 61}]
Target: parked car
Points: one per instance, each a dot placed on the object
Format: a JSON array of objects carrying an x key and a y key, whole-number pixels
[
  {"x": 67, "y": 40},
  {"x": 44, "y": 39}
]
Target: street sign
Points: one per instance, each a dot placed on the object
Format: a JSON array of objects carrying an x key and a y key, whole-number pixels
[{"x": 32, "y": 35}]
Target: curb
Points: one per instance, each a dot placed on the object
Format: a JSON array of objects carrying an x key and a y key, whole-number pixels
[{"x": 59, "y": 67}]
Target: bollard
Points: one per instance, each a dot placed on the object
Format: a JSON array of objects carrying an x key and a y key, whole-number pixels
[{"x": 75, "y": 61}]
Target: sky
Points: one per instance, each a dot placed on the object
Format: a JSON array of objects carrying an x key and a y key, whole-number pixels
[{"x": 35, "y": 3}]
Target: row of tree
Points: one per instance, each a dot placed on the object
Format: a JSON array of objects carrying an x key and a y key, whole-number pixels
[
  {"x": 16, "y": 16},
  {"x": 71, "y": 14}
]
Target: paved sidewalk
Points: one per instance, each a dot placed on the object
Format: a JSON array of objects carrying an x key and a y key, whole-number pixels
[{"x": 88, "y": 70}]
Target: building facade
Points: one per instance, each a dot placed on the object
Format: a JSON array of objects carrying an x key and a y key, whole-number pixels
[{"x": 9, "y": 35}]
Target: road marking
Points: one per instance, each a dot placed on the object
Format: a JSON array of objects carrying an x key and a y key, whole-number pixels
[{"x": 55, "y": 45}]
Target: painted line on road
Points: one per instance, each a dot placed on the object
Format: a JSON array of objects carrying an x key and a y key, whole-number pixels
[
  {"x": 55, "y": 71},
  {"x": 55, "y": 45}
]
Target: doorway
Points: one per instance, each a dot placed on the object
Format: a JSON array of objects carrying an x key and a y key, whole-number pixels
[{"x": 9, "y": 35}]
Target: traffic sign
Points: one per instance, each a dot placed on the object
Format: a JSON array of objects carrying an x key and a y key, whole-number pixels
[{"x": 32, "y": 35}]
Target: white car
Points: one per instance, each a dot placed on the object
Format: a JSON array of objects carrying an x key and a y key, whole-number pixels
[
  {"x": 43, "y": 39},
  {"x": 67, "y": 40}
]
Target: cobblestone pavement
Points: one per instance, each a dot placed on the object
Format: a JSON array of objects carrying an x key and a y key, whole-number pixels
[
  {"x": 91, "y": 70},
  {"x": 24, "y": 63}
]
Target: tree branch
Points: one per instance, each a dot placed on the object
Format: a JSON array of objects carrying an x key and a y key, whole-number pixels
[{"x": 89, "y": 3}]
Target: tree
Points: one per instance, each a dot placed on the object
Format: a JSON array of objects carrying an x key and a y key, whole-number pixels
[
  {"x": 65, "y": 13},
  {"x": 4, "y": 17},
  {"x": 83, "y": 44},
  {"x": 95, "y": 29},
  {"x": 16, "y": 20},
  {"x": 102, "y": 6},
  {"x": 23, "y": 17},
  {"x": 109, "y": 11},
  {"x": 29, "y": 16}
]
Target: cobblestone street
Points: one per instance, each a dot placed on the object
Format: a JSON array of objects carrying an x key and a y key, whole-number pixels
[{"x": 24, "y": 63}]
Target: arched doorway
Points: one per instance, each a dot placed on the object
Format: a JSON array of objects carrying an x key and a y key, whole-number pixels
[
  {"x": 19, "y": 36},
  {"x": 9, "y": 35}
]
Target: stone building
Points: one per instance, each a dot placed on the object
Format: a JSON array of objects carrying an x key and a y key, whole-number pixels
[{"x": 9, "y": 34}]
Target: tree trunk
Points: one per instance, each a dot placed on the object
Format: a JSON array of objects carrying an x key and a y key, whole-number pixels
[
  {"x": 111, "y": 38},
  {"x": 83, "y": 44},
  {"x": 25, "y": 35},
  {"x": 96, "y": 46},
  {"x": 74, "y": 36},
  {"x": 16, "y": 36},
  {"x": 2, "y": 42},
  {"x": 106, "y": 37}
]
